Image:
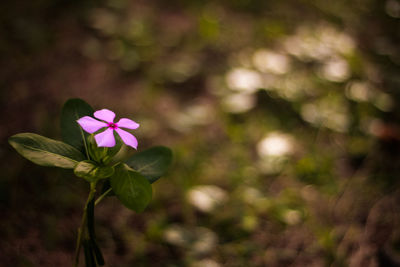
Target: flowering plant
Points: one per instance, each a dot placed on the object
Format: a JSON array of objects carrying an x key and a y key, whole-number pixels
[{"x": 88, "y": 148}]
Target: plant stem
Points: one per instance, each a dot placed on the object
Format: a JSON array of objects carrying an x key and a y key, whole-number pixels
[
  {"x": 100, "y": 198},
  {"x": 82, "y": 228}
]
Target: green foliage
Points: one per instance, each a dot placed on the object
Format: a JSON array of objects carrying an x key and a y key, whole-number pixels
[
  {"x": 91, "y": 172},
  {"x": 151, "y": 163},
  {"x": 103, "y": 155},
  {"x": 45, "y": 151},
  {"x": 71, "y": 132},
  {"x": 131, "y": 188}
]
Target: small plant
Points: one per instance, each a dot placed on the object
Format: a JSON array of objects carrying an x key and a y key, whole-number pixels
[{"x": 88, "y": 148}]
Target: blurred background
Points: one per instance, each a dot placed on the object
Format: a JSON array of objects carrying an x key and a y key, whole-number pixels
[{"x": 283, "y": 118}]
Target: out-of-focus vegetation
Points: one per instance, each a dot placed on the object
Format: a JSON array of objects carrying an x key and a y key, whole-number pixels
[{"x": 283, "y": 117}]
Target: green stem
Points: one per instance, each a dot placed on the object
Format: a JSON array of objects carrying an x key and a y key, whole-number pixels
[
  {"x": 82, "y": 228},
  {"x": 100, "y": 198}
]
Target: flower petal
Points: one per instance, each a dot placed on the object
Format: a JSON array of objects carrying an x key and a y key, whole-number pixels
[
  {"x": 106, "y": 138},
  {"x": 105, "y": 115},
  {"x": 127, "y": 123},
  {"x": 128, "y": 138},
  {"x": 91, "y": 125}
]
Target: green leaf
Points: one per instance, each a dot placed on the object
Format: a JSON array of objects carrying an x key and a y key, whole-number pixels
[
  {"x": 45, "y": 151},
  {"x": 91, "y": 172},
  {"x": 151, "y": 163},
  {"x": 71, "y": 132},
  {"x": 131, "y": 188}
]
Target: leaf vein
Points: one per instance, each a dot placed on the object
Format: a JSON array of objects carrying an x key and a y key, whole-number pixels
[
  {"x": 148, "y": 165},
  {"x": 49, "y": 152}
]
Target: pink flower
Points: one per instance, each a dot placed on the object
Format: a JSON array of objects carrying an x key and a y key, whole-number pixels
[{"x": 106, "y": 138}]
